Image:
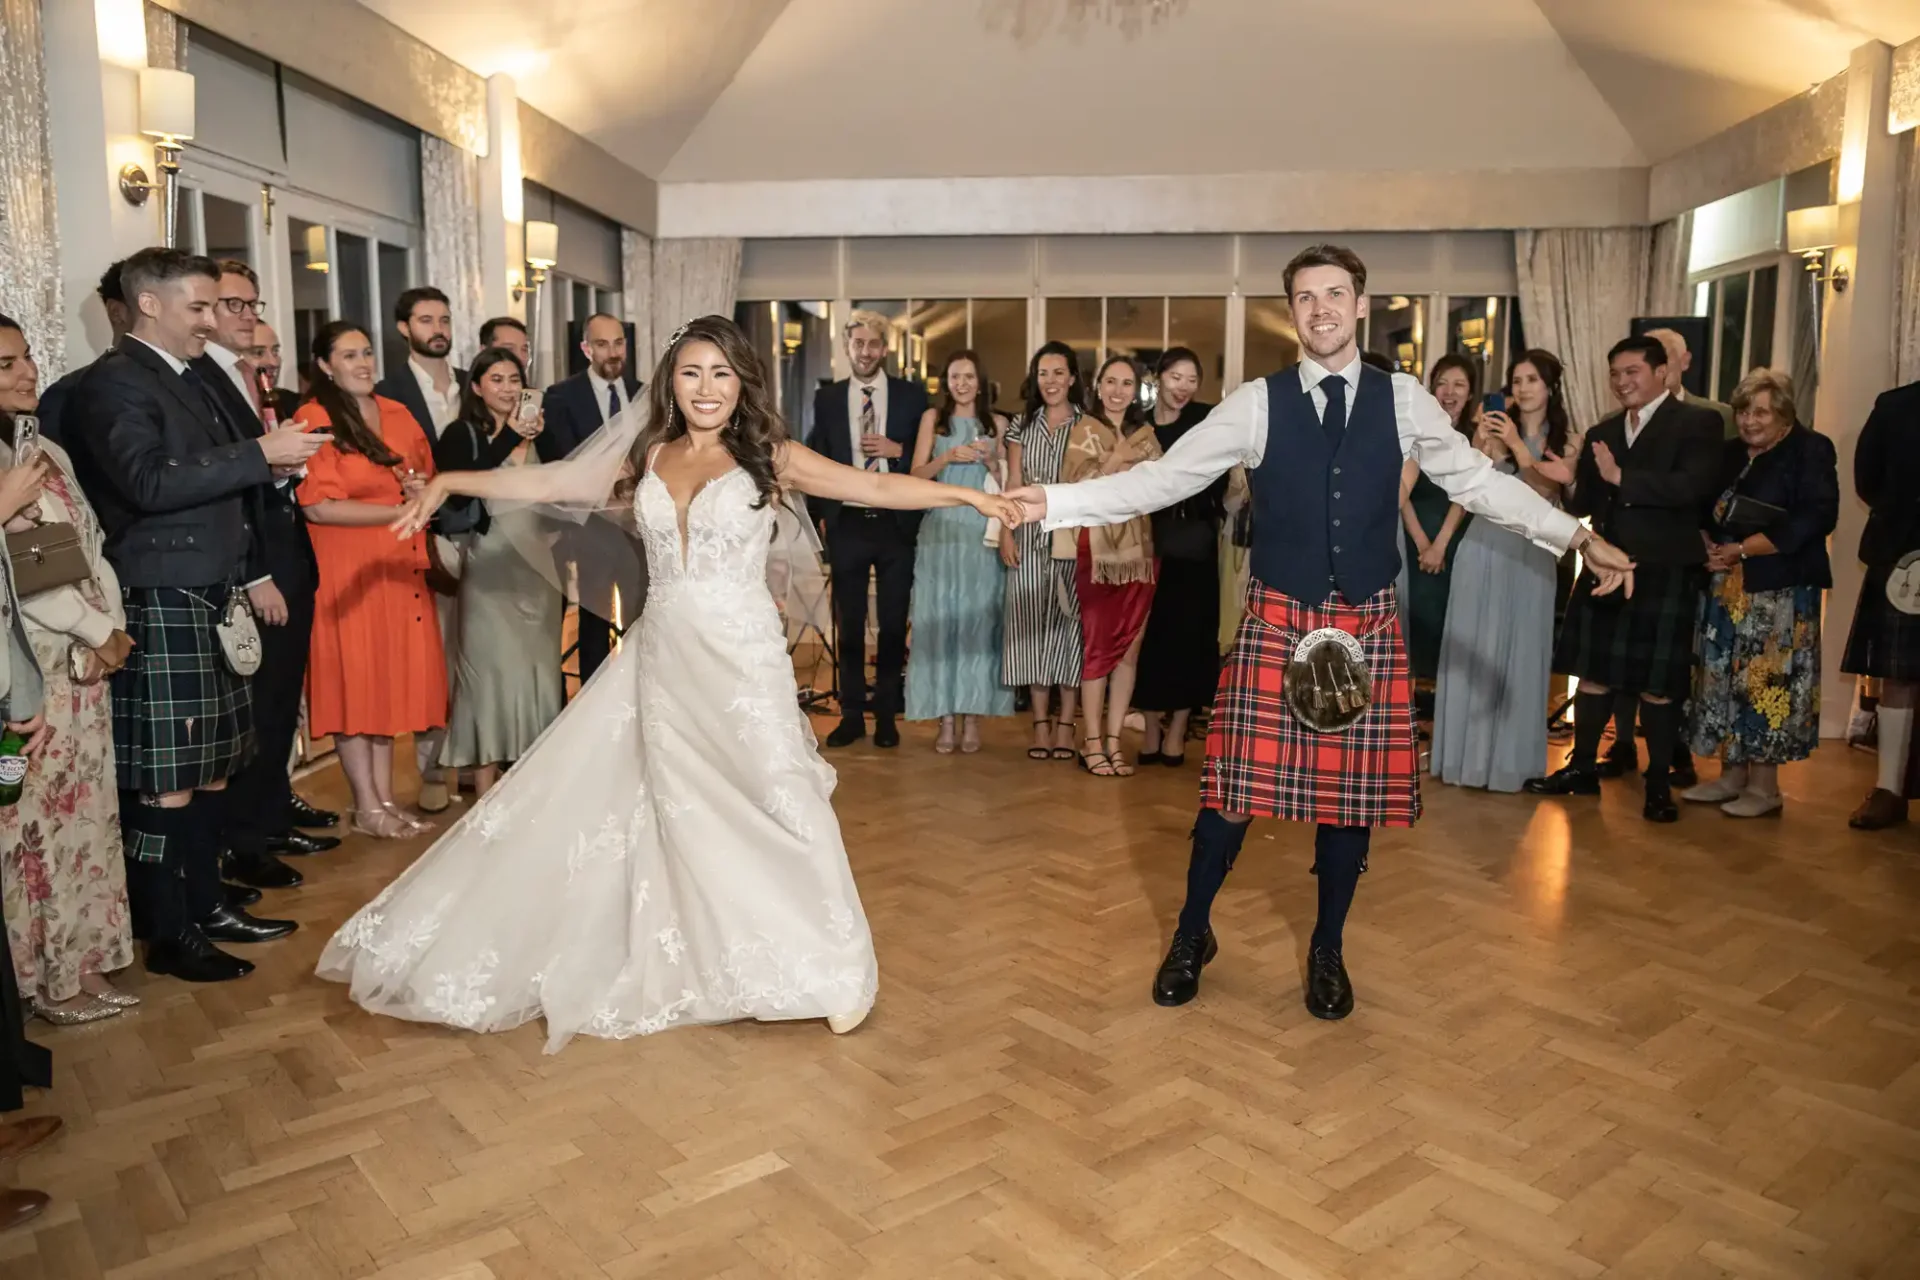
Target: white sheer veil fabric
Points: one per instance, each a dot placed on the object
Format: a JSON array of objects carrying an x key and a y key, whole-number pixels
[{"x": 586, "y": 544}]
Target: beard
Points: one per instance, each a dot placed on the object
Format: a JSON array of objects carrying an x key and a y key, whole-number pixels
[
  {"x": 435, "y": 347},
  {"x": 611, "y": 368},
  {"x": 1320, "y": 345}
]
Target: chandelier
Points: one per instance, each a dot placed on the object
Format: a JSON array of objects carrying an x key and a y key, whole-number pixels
[{"x": 1029, "y": 19}]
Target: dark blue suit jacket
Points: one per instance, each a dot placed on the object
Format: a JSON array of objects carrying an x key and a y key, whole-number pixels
[
  {"x": 831, "y": 436},
  {"x": 572, "y": 415},
  {"x": 401, "y": 385}
]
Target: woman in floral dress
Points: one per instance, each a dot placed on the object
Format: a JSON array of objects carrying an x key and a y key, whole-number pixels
[
  {"x": 65, "y": 883},
  {"x": 1757, "y": 691}
]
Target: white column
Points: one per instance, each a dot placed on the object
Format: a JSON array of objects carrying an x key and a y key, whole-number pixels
[
  {"x": 1856, "y": 354},
  {"x": 502, "y": 218},
  {"x": 94, "y": 54}
]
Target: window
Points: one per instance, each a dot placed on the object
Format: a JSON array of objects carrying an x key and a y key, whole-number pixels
[
  {"x": 1200, "y": 325},
  {"x": 1142, "y": 329},
  {"x": 796, "y": 340},
  {"x": 1396, "y": 327},
  {"x": 1000, "y": 336},
  {"x": 1742, "y": 310},
  {"x": 1486, "y": 330}
]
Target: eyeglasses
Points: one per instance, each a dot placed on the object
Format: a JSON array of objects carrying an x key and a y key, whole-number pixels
[{"x": 235, "y": 306}]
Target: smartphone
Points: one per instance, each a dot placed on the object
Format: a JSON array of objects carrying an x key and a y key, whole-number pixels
[
  {"x": 1496, "y": 403},
  {"x": 26, "y": 438},
  {"x": 529, "y": 405}
]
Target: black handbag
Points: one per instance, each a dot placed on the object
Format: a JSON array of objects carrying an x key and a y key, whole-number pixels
[{"x": 1748, "y": 516}]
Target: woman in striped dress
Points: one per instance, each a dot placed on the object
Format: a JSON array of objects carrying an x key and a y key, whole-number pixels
[{"x": 1043, "y": 606}]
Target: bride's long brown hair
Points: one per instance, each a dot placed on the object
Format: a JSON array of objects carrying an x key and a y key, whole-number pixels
[{"x": 754, "y": 435}]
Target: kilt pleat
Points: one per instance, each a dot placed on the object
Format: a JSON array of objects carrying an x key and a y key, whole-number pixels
[
  {"x": 1644, "y": 643},
  {"x": 181, "y": 719},
  {"x": 1883, "y": 642},
  {"x": 1262, "y": 761}
]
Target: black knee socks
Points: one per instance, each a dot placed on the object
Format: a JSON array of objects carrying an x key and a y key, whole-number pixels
[
  {"x": 1216, "y": 843},
  {"x": 200, "y": 865},
  {"x": 157, "y": 842},
  {"x": 1591, "y": 711},
  {"x": 1339, "y": 856},
  {"x": 1662, "y": 721}
]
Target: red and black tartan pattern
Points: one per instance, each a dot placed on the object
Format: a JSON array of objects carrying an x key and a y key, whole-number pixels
[{"x": 1264, "y": 762}]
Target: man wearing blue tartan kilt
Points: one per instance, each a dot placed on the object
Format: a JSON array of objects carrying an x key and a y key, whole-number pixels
[
  {"x": 1646, "y": 477},
  {"x": 1313, "y": 719},
  {"x": 173, "y": 482}
]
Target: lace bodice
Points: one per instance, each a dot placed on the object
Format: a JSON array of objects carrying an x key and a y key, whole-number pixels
[{"x": 727, "y": 538}]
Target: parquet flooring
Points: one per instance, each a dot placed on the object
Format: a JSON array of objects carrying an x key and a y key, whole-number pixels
[{"x": 1584, "y": 1047}]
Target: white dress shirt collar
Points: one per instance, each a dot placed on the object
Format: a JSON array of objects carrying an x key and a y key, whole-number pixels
[
  {"x": 230, "y": 362},
  {"x": 1646, "y": 413},
  {"x": 1313, "y": 373},
  {"x": 443, "y": 409},
  {"x": 173, "y": 362}
]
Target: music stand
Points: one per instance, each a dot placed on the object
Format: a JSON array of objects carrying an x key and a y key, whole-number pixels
[{"x": 812, "y": 698}]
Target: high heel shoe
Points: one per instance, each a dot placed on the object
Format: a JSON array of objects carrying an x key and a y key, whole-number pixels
[
  {"x": 380, "y": 825},
  {"x": 94, "y": 1010},
  {"x": 114, "y": 996},
  {"x": 406, "y": 819},
  {"x": 841, "y": 1023}
]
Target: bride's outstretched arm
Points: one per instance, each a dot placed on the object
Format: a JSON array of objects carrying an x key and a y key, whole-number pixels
[
  {"x": 573, "y": 482},
  {"x": 820, "y": 477}
]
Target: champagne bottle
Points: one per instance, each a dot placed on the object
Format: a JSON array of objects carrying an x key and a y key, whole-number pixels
[{"x": 13, "y": 767}]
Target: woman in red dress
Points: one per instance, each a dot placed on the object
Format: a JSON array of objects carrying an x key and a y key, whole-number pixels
[
  {"x": 1116, "y": 568},
  {"x": 377, "y": 669}
]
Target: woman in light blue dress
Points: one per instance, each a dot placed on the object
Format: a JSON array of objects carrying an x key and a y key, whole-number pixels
[
  {"x": 959, "y": 586},
  {"x": 1496, "y": 652}
]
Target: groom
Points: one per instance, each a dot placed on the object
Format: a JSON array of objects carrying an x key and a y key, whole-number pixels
[{"x": 1322, "y": 443}]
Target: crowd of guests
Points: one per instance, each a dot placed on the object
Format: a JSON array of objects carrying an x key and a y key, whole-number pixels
[{"x": 1726, "y": 509}]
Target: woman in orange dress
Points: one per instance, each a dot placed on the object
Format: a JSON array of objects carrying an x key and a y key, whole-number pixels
[{"x": 376, "y": 669}]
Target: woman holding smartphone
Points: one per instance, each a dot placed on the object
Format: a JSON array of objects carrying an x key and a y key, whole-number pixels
[{"x": 506, "y": 667}]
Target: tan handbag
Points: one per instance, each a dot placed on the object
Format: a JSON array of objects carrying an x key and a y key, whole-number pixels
[{"x": 47, "y": 556}]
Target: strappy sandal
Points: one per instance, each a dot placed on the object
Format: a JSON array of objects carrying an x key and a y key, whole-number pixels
[
  {"x": 944, "y": 742},
  {"x": 1096, "y": 763},
  {"x": 970, "y": 735},
  {"x": 1121, "y": 769},
  {"x": 1045, "y": 728},
  {"x": 380, "y": 825},
  {"x": 1064, "y": 751}
]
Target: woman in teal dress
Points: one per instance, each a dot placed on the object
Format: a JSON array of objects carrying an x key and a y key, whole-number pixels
[
  {"x": 1433, "y": 524},
  {"x": 959, "y": 586}
]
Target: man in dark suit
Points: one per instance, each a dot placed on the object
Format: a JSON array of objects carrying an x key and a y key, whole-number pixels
[
  {"x": 282, "y": 577},
  {"x": 1645, "y": 476},
  {"x": 432, "y": 389},
  {"x": 53, "y": 404},
  {"x": 575, "y": 409},
  {"x": 170, "y": 477},
  {"x": 870, "y": 421},
  {"x": 266, "y": 362},
  {"x": 509, "y": 334}
]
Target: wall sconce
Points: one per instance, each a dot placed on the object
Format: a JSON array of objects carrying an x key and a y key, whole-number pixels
[
  {"x": 317, "y": 249},
  {"x": 166, "y": 115},
  {"x": 543, "y": 251},
  {"x": 792, "y": 334},
  {"x": 1812, "y": 233}
]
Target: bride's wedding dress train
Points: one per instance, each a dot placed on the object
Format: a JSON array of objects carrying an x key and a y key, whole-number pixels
[{"x": 666, "y": 853}]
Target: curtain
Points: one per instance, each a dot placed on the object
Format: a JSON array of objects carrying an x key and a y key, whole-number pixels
[
  {"x": 1579, "y": 291},
  {"x": 450, "y": 213},
  {"x": 30, "y": 289},
  {"x": 636, "y": 295},
  {"x": 1667, "y": 292},
  {"x": 166, "y": 39},
  {"x": 693, "y": 278},
  {"x": 1906, "y": 256}
]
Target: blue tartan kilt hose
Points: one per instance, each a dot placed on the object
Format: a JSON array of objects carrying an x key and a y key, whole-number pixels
[
  {"x": 181, "y": 718},
  {"x": 1262, "y": 761},
  {"x": 1639, "y": 644}
]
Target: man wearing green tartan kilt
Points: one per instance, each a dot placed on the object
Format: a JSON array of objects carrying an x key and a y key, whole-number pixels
[{"x": 176, "y": 486}]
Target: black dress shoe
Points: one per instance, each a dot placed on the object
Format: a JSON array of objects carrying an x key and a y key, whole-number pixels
[
  {"x": 1179, "y": 978},
  {"x": 885, "y": 734},
  {"x": 848, "y": 733},
  {"x": 239, "y": 895},
  {"x": 302, "y": 814},
  {"x": 259, "y": 871},
  {"x": 1565, "y": 782},
  {"x": 1660, "y": 807},
  {"x": 230, "y": 924},
  {"x": 192, "y": 958},
  {"x": 1329, "y": 993},
  {"x": 300, "y": 844},
  {"x": 1683, "y": 775},
  {"x": 1619, "y": 764}
]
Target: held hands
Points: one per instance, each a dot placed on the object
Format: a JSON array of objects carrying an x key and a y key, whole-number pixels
[
  {"x": 1722, "y": 556},
  {"x": 1433, "y": 557},
  {"x": 1033, "y": 498},
  {"x": 419, "y": 508},
  {"x": 20, "y": 487},
  {"x": 268, "y": 603},
  {"x": 1002, "y": 507},
  {"x": 290, "y": 446}
]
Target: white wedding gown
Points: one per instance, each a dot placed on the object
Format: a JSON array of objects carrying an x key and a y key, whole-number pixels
[{"x": 665, "y": 854}]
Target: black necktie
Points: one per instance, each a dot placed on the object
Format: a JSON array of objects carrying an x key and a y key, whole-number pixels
[
  {"x": 191, "y": 376},
  {"x": 1334, "y": 420},
  {"x": 613, "y": 402}
]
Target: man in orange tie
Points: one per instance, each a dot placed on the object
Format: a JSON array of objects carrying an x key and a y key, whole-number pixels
[{"x": 1645, "y": 477}]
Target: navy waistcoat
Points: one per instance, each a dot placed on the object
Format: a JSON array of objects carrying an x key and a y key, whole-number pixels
[{"x": 1327, "y": 517}]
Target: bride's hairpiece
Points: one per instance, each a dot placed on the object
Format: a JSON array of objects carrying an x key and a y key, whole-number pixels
[{"x": 673, "y": 339}]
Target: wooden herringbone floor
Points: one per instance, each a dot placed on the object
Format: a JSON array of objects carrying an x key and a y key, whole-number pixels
[{"x": 1584, "y": 1047}]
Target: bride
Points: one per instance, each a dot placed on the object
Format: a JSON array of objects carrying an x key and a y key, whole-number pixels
[{"x": 667, "y": 852}]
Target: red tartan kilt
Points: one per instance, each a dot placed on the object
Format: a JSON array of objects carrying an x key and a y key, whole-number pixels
[{"x": 1262, "y": 761}]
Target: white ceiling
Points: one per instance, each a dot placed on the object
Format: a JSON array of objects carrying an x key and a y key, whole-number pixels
[{"x": 731, "y": 90}]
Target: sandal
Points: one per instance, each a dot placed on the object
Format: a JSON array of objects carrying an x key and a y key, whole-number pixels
[
  {"x": 380, "y": 825},
  {"x": 944, "y": 743},
  {"x": 1064, "y": 750},
  {"x": 1042, "y": 751},
  {"x": 1121, "y": 769},
  {"x": 1104, "y": 769},
  {"x": 970, "y": 736}
]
